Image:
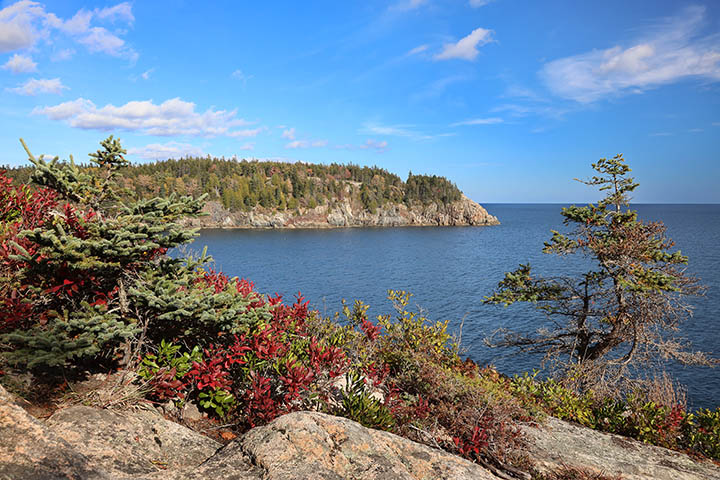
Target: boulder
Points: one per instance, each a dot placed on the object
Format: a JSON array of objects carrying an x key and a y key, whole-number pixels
[
  {"x": 558, "y": 443},
  {"x": 131, "y": 442},
  {"x": 304, "y": 445},
  {"x": 29, "y": 450}
]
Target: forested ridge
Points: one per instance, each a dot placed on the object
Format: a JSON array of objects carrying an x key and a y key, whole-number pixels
[{"x": 245, "y": 184}]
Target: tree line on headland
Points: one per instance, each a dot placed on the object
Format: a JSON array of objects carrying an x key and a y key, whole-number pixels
[{"x": 242, "y": 185}]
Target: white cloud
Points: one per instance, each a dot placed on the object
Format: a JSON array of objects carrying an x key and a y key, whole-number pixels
[
  {"x": 20, "y": 64},
  {"x": 478, "y": 121},
  {"x": 478, "y": 3},
  {"x": 416, "y": 50},
  {"x": 62, "y": 55},
  {"x": 243, "y": 77},
  {"x": 662, "y": 134},
  {"x": 247, "y": 146},
  {"x": 306, "y": 144},
  {"x": 172, "y": 117},
  {"x": 716, "y": 124},
  {"x": 370, "y": 144},
  {"x": 16, "y": 25},
  {"x": 289, "y": 133},
  {"x": 98, "y": 39},
  {"x": 375, "y": 145},
  {"x": 669, "y": 51},
  {"x": 121, "y": 11},
  {"x": 246, "y": 133},
  {"x": 146, "y": 74},
  {"x": 37, "y": 86},
  {"x": 25, "y": 22},
  {"x": 467, "y": 47},
  {"x": 389, "y": 130},
  {"x": 163, "y": 151}
]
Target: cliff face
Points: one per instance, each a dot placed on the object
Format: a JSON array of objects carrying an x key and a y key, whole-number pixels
[{"x": 349, "y": 214}]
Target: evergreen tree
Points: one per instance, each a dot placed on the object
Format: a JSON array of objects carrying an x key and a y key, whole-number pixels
[
  {"x": 621, "y": 313},
  {"x": 79, "y": 264}
]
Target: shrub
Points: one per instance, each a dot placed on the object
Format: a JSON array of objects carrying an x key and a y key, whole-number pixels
[{"x": 635, "y": 415}]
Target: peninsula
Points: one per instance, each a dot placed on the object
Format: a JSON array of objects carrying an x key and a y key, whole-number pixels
[{"x": 264, "y": 194}]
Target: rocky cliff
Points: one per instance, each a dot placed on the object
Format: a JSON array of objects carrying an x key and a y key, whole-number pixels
[
  {"x": 86, "y": 443},
  {"x": 349, "y": 214}
]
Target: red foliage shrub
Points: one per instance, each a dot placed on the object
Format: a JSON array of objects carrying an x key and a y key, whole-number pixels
[{"x": 20, "y": 209}]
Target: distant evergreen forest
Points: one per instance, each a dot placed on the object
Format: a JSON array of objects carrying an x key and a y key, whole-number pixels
[{"x": 243, "y": 184}]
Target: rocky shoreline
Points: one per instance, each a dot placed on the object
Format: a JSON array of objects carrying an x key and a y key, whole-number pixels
[
  {"x": 464, "y": 212},
  {"x": 89, "y": 443}
]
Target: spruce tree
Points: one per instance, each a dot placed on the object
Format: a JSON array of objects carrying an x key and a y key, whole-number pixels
[{"x": 80, "y": 264}]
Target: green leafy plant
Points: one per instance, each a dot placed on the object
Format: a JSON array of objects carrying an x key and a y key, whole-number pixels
[{"x": 218, "y": 400}]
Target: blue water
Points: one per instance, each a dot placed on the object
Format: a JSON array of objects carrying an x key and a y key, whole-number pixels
[{"x": 450, "y": 270}]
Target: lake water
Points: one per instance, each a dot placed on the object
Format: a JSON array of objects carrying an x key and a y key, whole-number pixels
[{"x": 451, "y": 269}]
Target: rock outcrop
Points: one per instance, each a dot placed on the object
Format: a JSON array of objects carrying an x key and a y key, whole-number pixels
[
  {"x": 558, "y": 443},
  {"x": 347, "y": 214},
  {"x": 84, "y": 443},
  {"x": 88, "y": 443},
  {"x": 135, "y": 442}
]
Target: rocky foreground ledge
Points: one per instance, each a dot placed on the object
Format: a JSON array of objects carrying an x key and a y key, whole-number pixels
[
  {"x": 83, "y": 442},
  {"x": 464, "y": 212}
]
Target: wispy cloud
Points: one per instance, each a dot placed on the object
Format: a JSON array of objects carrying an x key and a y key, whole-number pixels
[
  {"x": 249, "y": 132},
  {"x": 466, "y": 48},
  {"x": 306, "y": 144},
  {"x": 240, "y": 75},
  {"x": 25, "y": 22},
  {"x": 20, "y": 64},
  {"x": 163, "y": 151},
  {"x": 478, "y": 121},
  {"x": 662, "y": 134},
  {"x": 289, "y": 133},
  {"x": 417, "y": 50},
  {"x": 669, "y": 51},
  {"x": 439, "y": 86},
  {"x": 390, "y": 130},
  {"x": 405, "y": 131},
  {"x": 406, "y": 5},
  {"x": 146, "y": 74},
  {"x": 37, "y": 86},
  {"x": 121, "y": 11},
  {"x": 62, "y": 55},
  {"x": 171, "y": 117},
  {"x": 478, "y": 3},
  {"x": 370, "y": 144},
  {"x": 532, "y": 109}
]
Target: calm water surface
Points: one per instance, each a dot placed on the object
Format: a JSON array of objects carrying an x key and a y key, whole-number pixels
[{"x": 450, "y": 270}]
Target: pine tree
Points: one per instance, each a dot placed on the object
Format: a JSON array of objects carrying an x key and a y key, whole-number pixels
[{"x": 624, "y": 311}]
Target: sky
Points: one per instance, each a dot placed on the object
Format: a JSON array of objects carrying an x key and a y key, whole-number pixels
[{"x": 509, "y": 99}]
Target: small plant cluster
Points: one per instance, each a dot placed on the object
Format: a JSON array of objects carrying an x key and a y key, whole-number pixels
[
  {"x": 271, "y": 366},
  {"x": 401, "y": 374},
  {"x": 634, "y": 416}
]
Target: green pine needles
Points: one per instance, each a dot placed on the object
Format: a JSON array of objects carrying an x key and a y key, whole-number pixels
[{"x": 80, "y": 268}]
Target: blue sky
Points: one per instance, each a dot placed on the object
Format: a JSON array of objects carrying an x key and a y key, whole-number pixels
[{"x": 509, "y": 99}]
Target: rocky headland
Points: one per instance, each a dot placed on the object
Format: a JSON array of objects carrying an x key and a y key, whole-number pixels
[{"x": 463, "y": 212}]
